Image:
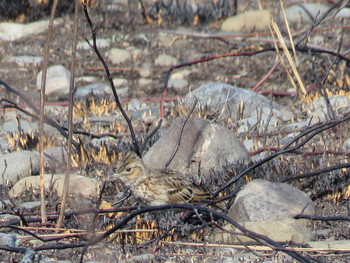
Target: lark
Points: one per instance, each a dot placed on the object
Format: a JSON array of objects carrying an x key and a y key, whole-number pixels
[{"x": 157, "y": 186}]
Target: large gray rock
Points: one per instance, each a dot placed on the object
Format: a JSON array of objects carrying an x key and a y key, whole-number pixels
[
  {"x": 248, "y": 21},
  {"x": 19, "y": 164},
  {"x": 78, "y": 185},
  {"x": 318, "y": 108},
  {"x": 261, "y": 200},
  {"x": 26, "y": 60},
  {"x": 204, "y": 146},
  {"x": 165, "y": 60},
  {"x": 118, "y": 56},
  {"x": 307, "y": 12},
  {"x": 13, "y": 126},
  {"x": 304, "y": 13},
  {"x": 267, "y": 208},
  {"x": 278, "y": 230},
  {"x": 13, "y": 31},
  {"x": 57, "y": 81},
  {"x": 55, "y": 159},
  {"x": 227, "y": 98},
  {"x": 8, "y": 240},
  {"x": 97, "y": 89},
  {"x": 100, "y": 43}
]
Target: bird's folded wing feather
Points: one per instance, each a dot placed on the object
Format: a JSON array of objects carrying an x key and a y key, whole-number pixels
[{"x": 180, "y": 189}]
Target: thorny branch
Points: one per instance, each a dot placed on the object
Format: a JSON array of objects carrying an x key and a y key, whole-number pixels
[
  {"x": 305, "y": 135},
  {"x": 208, "y": 211}
]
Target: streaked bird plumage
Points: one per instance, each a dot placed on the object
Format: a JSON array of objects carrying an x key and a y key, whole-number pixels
[{"x": 157, "y": 186}]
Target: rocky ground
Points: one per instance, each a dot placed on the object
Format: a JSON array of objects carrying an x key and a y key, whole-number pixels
[{"x": 249, "y": 106}]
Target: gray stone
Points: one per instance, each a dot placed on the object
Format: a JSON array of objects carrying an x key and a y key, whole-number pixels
[
  {"x": 120, "y": 82},
  {"x": 118, "y": 56},
  {"x": 145, "y": 82},
  {"x": 57, "y": 81},
  {"x": 4, "y": 204},
  {"x": 25, "y": 60},
  {"x": 8, "y": 240},
  {"x": 103, "y": 119},
  {"x": 13, "y": 31},
  {"x": 301, "y": 13},
  {"x": 100, "y": 43},
  {"x": 95, "y": 89},
  {"x": 134, "y": 104},
  {"x": 318, "y": 108},
  {"x": 141, "y": 258},
  {"x": 228, "y": 99},
  {"x": 204, "y": 145},
  {"x": 108, "y": 141},
  {"x": 345, "y": 12},
  {"x": 178, "y": 84},
  {"x": 181, "y": 43},
  {"x": 278, "y": 230},
  {"x": 265, "y": 123},
  {"x": 28, "y": 256},
  {"x": 146, "y": 71},
  {"x": 182, "y": 74},
  {"x": 8, "y": 218},
  {"x": 248, "y": 21},
  {"x": 78, "y": 185},
  {"x": 135, "y": 53},
  {"x": 346, "y": 145},
  {"x": 13, "y": 126},
  {"x": 19, "y": 164},
  {"x": 29, "y": 206},
  {"x": 165, "y": 60},
  {"x": 86, "y": 79},
  {"x": 4, "y": 146},
  {"x": 330, "y": 244},
  {"x": 261, "y": 200},
  {"x": 148, "y": 115}
]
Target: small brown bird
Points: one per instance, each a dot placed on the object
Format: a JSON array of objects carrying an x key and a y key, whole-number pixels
[{"x": 158, "y": 186}]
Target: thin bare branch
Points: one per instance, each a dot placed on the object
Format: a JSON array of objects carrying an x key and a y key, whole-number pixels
[
  {"x": 212, "y": 213},
  {"x": 109, "y": 77},
  {"x": 307, "y": 135},
  {"x": 180, "y": 136},
  {"x": 70, "y": 116},
  {"x": 149, "y": 136},
  {"x": 47, "y": 119},
  {"x": 315, "y": 173},
  {"x": 42, "y": 110}
]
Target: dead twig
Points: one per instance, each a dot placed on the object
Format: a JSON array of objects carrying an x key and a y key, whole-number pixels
[
  {"x": 42, "y": 110},
  {"x": 180, "y": 135},
  {"x": 200, "y": 209},
  {"x": 70, "y": 117},
  {"x": 110, "y": 80},
  {"x": 322, "y": 218},
  {"x": 305, "y": 135},
  {"x": 315, "y": 173},
  {"x": 47, "y": 119}
]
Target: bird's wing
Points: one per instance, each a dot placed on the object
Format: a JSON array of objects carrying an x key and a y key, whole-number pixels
[{"x": 180, "y": 189}]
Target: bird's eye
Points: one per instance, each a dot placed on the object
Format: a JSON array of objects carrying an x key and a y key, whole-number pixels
[{"x": 128, "y": 169}]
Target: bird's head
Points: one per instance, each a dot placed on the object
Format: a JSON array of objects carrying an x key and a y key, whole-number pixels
[{"x": 130, "y": 168}]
